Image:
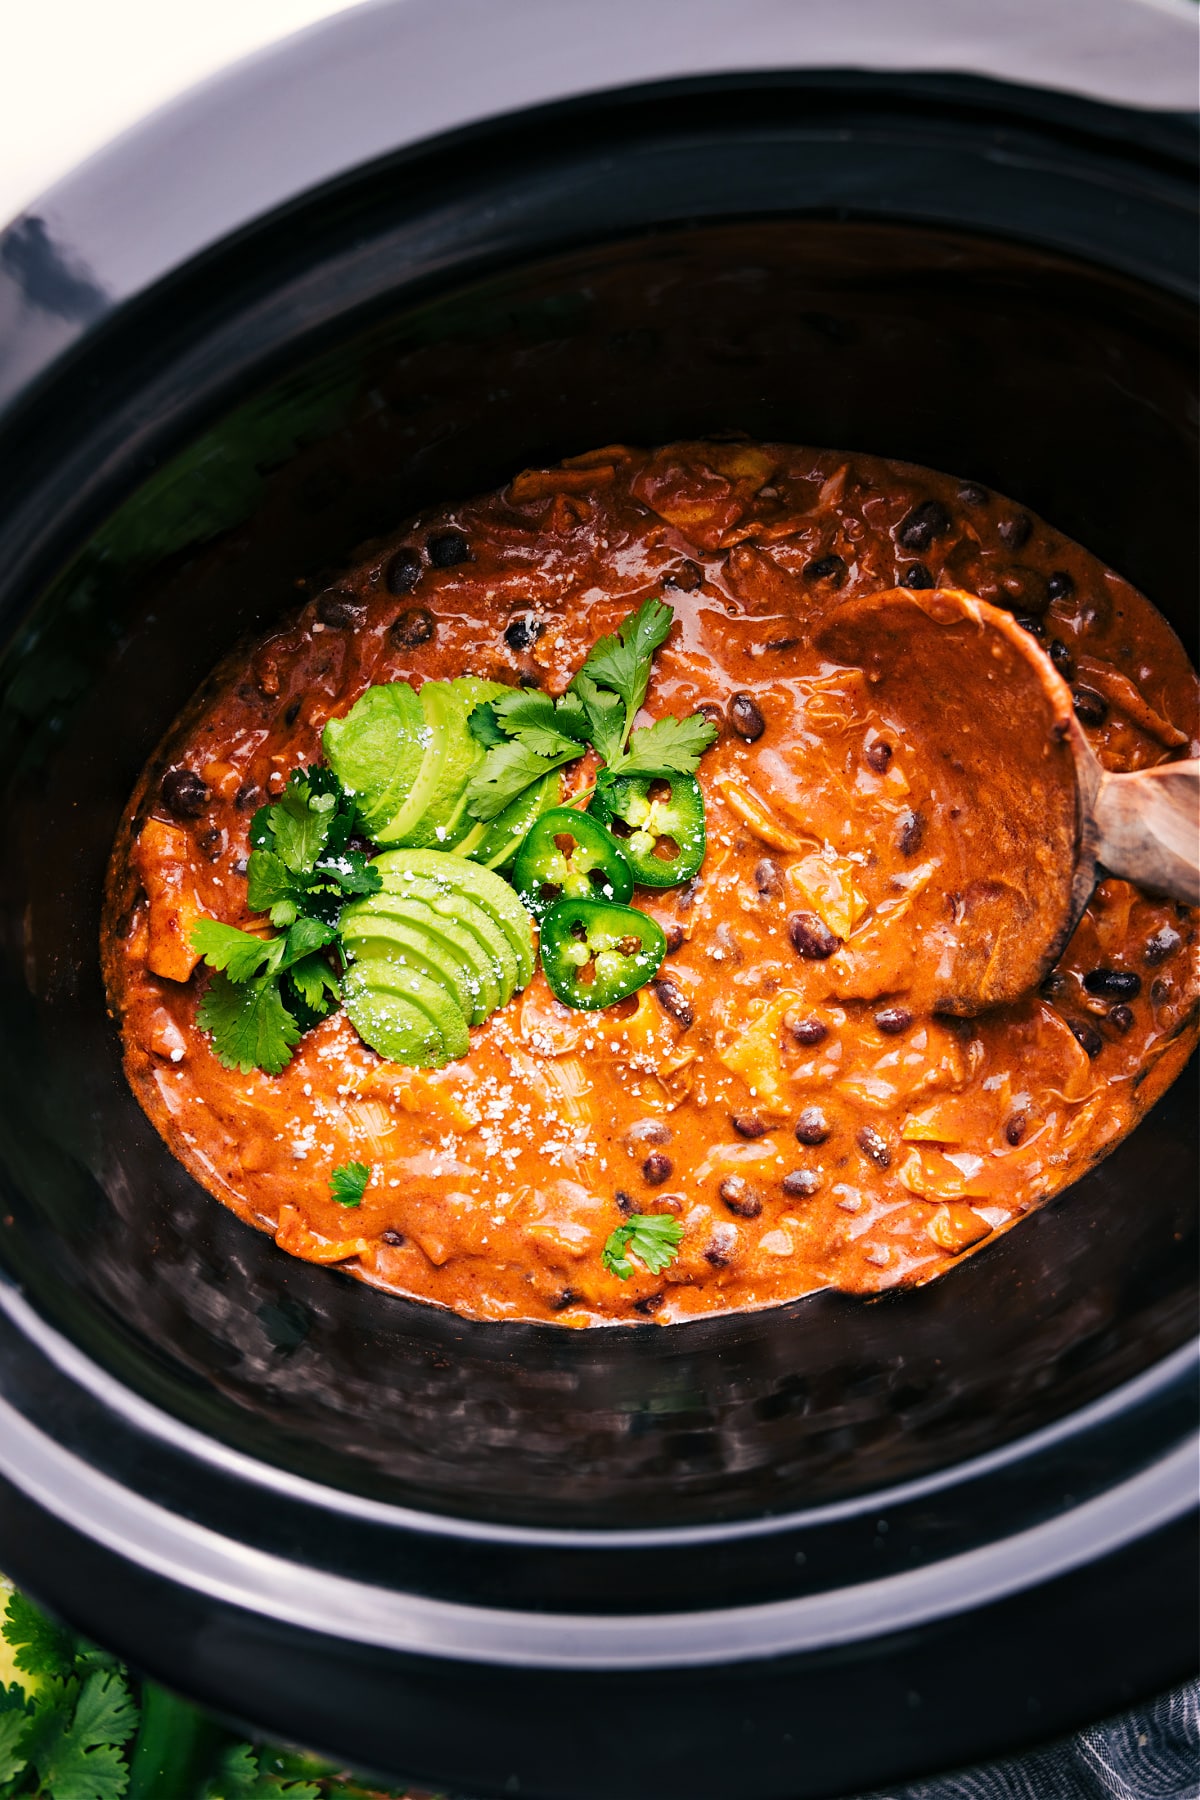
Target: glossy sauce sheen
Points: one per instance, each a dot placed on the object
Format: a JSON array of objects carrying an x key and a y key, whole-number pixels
[{"x": 773, "y": 1091}]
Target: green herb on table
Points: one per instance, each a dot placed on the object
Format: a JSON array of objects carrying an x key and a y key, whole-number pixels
[
  {"x": 266, "y": 991},
  {"x": 654, "y": 1238},
  {"x": 348, "y": 1183}
]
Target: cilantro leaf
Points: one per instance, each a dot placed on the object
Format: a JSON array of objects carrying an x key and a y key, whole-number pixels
[
  {"x": 623, "y": 662},
  {"x": 668, "y": 747},
  {"x": 506, "y": 772},
  {"x": 543, "y": 725},
  {"x": 318, "y": 989},
  {"x": 605, "y": 717},
  {"x": 240, "y": 1777},
  {"x": 351, "y": 872},
  {"x": 654, "y": 1238},
  {"x": 305, "y": 936},
  {"x": 75, "y": 1734},
  {"x": 268, "y": 882},
  {"x": 299, "y": 823},
  {"x": 481, "y": 723},
  {"x": 42, "y": 1647},
  {"x": 348, "y": 1183},
  {"x": 14, "y": 1718},
  {"x": 239, "y": 953},
  {"x": 251, "y": 1028}
]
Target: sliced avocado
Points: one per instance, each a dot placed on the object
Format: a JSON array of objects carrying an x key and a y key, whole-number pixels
[
  {"x": 371, "y": 932},
  {"x": 399, "y": 868},
  {"x": 497, "y": 842},
  {"x": 466, "y": 932},
  {"x": 457, "y": 915},
  {"x": 377, "y": 751},
  {"x": 394, "y": 1027},
  {"x": 384, "y": 978},
  {"x": 434, "y": 813}
]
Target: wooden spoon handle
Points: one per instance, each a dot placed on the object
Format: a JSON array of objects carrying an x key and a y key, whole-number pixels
[{"x": 1148, "y": 828}]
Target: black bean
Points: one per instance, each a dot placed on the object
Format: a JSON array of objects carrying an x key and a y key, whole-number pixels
[
  {"x": 721, "y": 1246},
  {"x": 1027, "y": 622},
  {"x": 740, "y": 1197},
  {"x": 1086, "y": 1036},
  {"x": 292, "y": 712},
  {"x": 1060, "y": 584},
  {"x": 1022, "y": 592},
  {"x": 1015, "y": 532},
  {"x": 625, "y": 1202},
  {"x": 185, "y": 793},
  {"x": 1161, "y": 991},
  {"x": 649, "y": 1303},
  {"x": 447, "y": 548},
  {"x": 414, "y": 626},
  {"x": 674, "y": 1002},
  {"x": 749, "y": 1125},
  {"x": 826, "y": 568},
  {"x": 1164, "y": 942},
  {"x": 971, "y": 494},
  {"x": 873, "y": 1145},
  {"x": 916, "y": 577},
  {"x": 1062, "y": 659},
  {"x": 809, "y": 1031},
  {"x": 802, "y": 1183},
  {"x": 879, "y": 755},
  {"x": 1121, "y": 1018},
  {"x": 336, "y": 609},
  {"x": 1054, "y": 984},
  {"x": 674, "y": 937},
  {"x": 212, "y": 842},
  {"x": 1015, "y": 1129},
  {"x": 892, "y": 1020},
  {"x": 249, "y": 797},
  {"x": 715, "y": 715},
  {"x": 687, "y": 577},
  {"x": 404, "y": 571},
  {"x": 910, "y": 830},
  {"x": 1090, "y": 707},
  {"x": 568, "y": 1297},
  {"x": 767, "y": 878},
  {"x": 812, "y": 1127},
  {"x": 521, "y": 633},
  {"x": 657, "y": 1168},
  {"x": 1113, "y": 984},
  {"x": 811, "y": 936},
  {"x": 746, "y": 719},
  {"x": 685, "y": 899},
  {"x": 924, "y": 523},
  {"x": 395, "y": 1238}
]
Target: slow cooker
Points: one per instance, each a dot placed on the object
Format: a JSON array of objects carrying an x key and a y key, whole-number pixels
[{"x": 792, "y": 1553}]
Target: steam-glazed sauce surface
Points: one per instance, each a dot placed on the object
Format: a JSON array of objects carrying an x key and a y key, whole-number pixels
[{"x": 774, "y": 1090}]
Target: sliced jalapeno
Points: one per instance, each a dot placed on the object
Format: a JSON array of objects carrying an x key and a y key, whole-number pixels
[
  {"x": 659, "y": 821},
  {"x": 594, "y": 953},
  {"x": 569, "y": 856}
]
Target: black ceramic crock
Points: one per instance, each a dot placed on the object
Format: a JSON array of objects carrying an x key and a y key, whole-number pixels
[{"x": 793, "y": 1553}]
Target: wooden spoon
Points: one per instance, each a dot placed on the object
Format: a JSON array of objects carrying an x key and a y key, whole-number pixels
[{"x": 1026, "y": 812}]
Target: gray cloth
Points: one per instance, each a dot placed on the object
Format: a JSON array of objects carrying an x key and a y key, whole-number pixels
[{"x": 1151, "y": 1753}]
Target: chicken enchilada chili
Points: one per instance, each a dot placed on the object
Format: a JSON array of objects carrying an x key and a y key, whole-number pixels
[{"x": 384, "y": 996}]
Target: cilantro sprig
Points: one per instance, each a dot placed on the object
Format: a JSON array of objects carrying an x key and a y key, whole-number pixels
[
  {"x": 528, "y": 735},
  {"x": 265, "y": 991},
  {"x": 348, "y": 1183},
  {"x": 654, "y": 1238}
]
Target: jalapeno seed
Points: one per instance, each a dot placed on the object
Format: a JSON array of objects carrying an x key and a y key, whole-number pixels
[
  {"x": 812, "y": 1127},
  {"x": 403, "y": 571},
  {"x": 810, "y": 936},
  {"x": 1113, "y": 984},
  {"x": 746, "y": 718},
  {"x": 740, "y": 1197},
  {"x": 922, "y": 525},
  {"x": 185, "y": 793}
]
